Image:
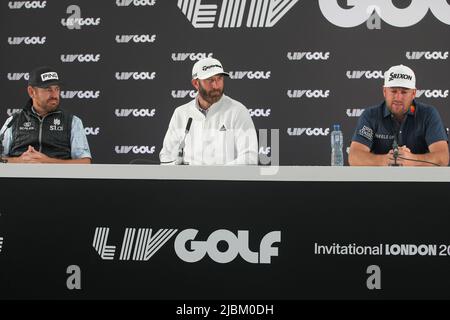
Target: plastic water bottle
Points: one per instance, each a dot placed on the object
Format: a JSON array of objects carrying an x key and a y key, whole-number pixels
[{"x": 337, "y": 143}]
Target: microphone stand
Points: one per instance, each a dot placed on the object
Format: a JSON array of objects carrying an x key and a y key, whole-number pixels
[
  {"x": 2, "y": 149},
  {"x": 396, "y": 128},
  {"x": 395, "y": 149},
  {"x": 180, "y": 158}
]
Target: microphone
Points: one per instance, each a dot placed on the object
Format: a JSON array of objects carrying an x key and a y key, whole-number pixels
[
  {"x": 395, "y": 149},
  {"x": 7, "y": 125},
  {"x": 395, "y": 127},
  {"x": 180, "y": 158}
]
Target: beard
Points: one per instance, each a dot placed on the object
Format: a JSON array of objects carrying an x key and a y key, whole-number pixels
[
  {"x": 51, "y": 104},
  {"x": 399, "y": 107},
  {"x": 211, "y": 96}
]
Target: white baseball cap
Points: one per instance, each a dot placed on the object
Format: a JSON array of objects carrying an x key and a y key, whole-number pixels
[
  {"x": 207, "y": 67},
  {"x": 400, "y": 76}
]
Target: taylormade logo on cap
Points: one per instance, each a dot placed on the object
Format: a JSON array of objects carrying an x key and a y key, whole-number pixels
[
  {"x": 206, "y": 68},
  {"x": 400, "y": 76},
  {"x": 49, "y": 76}
]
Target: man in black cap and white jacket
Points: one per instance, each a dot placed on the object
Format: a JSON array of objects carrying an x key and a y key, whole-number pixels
[{"x": 41, "y": 132}]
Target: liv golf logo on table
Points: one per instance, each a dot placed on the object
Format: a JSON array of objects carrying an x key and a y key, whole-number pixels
[
  {"x": 142, "y": 243},
  {"x": 1, "y": 236}
]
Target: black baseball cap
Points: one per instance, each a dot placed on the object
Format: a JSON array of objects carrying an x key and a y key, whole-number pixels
[{"x": 43, "y": 77}]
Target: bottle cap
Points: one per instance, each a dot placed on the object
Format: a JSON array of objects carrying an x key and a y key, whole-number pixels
[{"x": 336, "y": 127}]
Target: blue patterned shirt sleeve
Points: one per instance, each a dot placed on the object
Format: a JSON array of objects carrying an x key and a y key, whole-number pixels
[{"x": 78, "y": 141}]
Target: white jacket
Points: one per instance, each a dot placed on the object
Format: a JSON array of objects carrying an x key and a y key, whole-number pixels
[{"x": 226, "y": 135}]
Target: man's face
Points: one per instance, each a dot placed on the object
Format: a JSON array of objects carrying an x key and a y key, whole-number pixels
[
  {"x": 211, "y": 89},
  {"x": 399, "y": 99},
  {"x": 45, "y": 99}
]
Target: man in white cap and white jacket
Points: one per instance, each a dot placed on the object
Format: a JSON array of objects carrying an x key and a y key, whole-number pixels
[
  {"x": 212, "y": 129},
  {"x": 400, "y": 131}
]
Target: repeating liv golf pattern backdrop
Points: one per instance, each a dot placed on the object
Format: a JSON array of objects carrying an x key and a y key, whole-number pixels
[{"x": 298, "y": 66}]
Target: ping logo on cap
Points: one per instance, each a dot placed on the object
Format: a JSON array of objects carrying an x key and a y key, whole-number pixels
[{"x": 49, "y": 76}]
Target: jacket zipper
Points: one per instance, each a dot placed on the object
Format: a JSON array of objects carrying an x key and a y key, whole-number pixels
[{"x": 41, "y": 122}]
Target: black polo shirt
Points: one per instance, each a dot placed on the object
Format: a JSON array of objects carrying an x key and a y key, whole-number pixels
[{"x": 421, "y": 127}]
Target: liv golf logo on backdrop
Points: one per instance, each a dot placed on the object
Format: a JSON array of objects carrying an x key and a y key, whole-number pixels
[
  {"x": 16, "y": 76},
  {"x": 28, "y": 40},
  {"x": 135, "y": 38},
  {"x": 69, "y": 58},
  {"x": 260, "y": 13},
  {"x": 135, "y": 3},
  {"x": 266, "y": 13},
  {"x": 135, "y": 75},
  {"x": 27, "y": 4},
  {"x": 359, "y": 11}
]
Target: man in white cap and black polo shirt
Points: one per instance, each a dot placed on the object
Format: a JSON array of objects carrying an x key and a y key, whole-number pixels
[
  {"x": 41, "y": 132},
  {"x": 400, "y": 131},
  {"x": 220, "y": 131}
]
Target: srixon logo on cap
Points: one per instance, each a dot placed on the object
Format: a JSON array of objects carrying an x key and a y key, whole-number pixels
[
  {"x": 393, "y": 76},
  {"x": 49, "y": 76}
]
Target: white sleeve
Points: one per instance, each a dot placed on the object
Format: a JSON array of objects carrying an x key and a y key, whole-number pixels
[
  {"x": 246, "y": 141},
  {"x": 168, "y": 154}
]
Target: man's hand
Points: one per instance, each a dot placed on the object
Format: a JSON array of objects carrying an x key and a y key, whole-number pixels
[
  {"x": 403, "y": 152},
  {"x": 34, "y": 156},
  {"x": 360, "y": 155}
]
